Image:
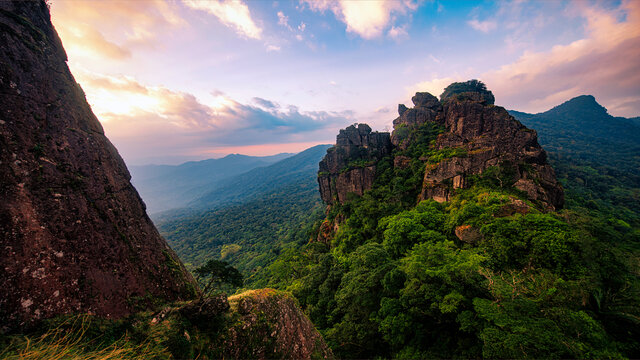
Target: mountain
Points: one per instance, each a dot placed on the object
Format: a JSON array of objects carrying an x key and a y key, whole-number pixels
[
  {"x": 595, "y": 155},
  {"x": 253, "y": 183},
  {"x": 453, "y": 241},
  {"x": 74, "y": 233},
  {"x": 250, "y": 218},
  {"x": 165, "y": 187},
  {"x": 586, "y": 121}
]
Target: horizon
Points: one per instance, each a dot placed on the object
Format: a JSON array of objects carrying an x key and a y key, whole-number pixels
[{"x": 192, "y": 80}]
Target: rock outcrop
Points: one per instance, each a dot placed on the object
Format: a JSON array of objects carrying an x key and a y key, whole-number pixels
[
  {"x": 349, "y": 166},
  {"x": 484, "y": 136},
  {"x": 272, "y": 325},
  {"x": 477, "y": 135},
  {"x": 74, "y": 234}
]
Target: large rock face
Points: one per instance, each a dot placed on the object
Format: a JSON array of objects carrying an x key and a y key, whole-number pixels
[
  {"x": 272, "y": 325},
  {"x": 478, "y": 134},
  {"x": 486, "y": 136},
  {"x": 349, "y": 166},
  {"x": 74, "y": 234}
]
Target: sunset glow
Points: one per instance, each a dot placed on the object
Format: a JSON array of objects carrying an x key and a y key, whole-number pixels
[{"x": 200, "y": 79}]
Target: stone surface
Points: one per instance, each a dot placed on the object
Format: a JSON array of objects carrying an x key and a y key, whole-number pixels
[
  {"x": 490, "y": 137},
  {"x": 74, "y": 234},
  {"x": 272, "y": 325},
  {"x": 468, "y": 234},
  {"x": 349, "y": 166},
  {"x": 483, "y": 135}
]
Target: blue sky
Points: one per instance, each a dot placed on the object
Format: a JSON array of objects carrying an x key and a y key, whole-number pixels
[{"x": 194, "y": 79}]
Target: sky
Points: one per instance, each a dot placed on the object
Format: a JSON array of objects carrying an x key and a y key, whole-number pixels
[{"x": 180, "y": 80}]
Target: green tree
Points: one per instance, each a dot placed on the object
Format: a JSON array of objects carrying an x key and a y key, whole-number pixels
[{"x": 215, "y": 273}]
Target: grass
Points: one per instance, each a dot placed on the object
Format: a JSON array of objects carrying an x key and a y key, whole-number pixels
[{"x": 71, "y": 339}]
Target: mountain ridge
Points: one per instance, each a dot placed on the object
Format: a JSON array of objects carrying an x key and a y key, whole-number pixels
[{"x": 165, "y": 187}]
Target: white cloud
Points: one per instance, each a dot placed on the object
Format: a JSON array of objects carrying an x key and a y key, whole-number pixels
[
  {"x": 87, "y": 32},
  {"x": 283, "y": 20},
  {"x": 366, "y": 18},
  {"x": 398, "y": 32},
  {"x": 154, "y": 121},
  {"x": 273, "y": 48},
  {"x": 232, "y": 13},
  {"x": 484, "y": 26}
]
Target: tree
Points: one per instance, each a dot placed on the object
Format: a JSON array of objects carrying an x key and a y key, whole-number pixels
[{"x": 215, "y": 273}]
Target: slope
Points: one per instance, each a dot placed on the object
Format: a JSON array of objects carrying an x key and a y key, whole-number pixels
[
  {"x": 253, "y": 217},
  {"x": 262, "y": 180},
  {"x": 165, "y": 187},
  {"x": 596, "y": 156}
]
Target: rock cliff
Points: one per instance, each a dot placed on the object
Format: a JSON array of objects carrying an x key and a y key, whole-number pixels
[
  {"x": 74, "y": 233},
  {"x": 349, "y": 166},
  {"x": 477, "y": 135},
  {"x": 272, "y": 325}
]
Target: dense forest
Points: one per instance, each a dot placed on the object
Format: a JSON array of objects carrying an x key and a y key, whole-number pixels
[{"x": 252, "y": 217}]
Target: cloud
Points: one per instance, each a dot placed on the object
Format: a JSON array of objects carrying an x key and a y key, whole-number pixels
[
  {"x": 484, "y": 26},
  {"x": 366, "y": 18},
  {"x": 232, "y": 13},
  {"x": 86, "y": 31},
  {"x": 154, "y": 121},
  {"x": 602, "y": 64},
  {"x": 265, "y": 103},
  {"x": 398, "y": 32},
  {"x": 273, "y": 48},
  {"x": 283, "y": 20}
]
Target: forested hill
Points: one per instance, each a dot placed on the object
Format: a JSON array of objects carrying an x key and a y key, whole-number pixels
[
  {"x": 482, "y": 266},
  {"x": 596, "y": 157},
  {"x": 263, "y": 179},
  {"x": 164, "y": 187},
  {"x": 252, "y": 217}
]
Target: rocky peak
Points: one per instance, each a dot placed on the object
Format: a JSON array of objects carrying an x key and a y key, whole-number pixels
[
  {"x": 480, "y": 136},
  {"x": 349, "y": 166},
  {"x": 425, "y": 100},
  {"x": 74, "y": 233}
]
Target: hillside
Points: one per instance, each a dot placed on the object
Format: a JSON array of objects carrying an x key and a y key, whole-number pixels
[
  {"x": 165, "y": 187},
  {"x": 596, "y": 156},
  {"x": 258, "y": 181},
  {"x": 253, "y": 217}
]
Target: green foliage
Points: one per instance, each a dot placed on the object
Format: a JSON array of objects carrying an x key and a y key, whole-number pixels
[
  {"x": 459, "y": 88},
  {"x": 446, "y": 153},
  {"x": 249, "y": 236},
  {"x": 215, "y": 273}
]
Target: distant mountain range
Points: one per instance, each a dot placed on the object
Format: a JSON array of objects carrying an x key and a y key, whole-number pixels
[
  {"x": 164, "y": 187},
  {"x": 595, "y": 155},
  {"x": 584, "y": 122},
  {"x": 297, "y": 169},
  {"x": 249, "y": 218}
]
